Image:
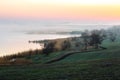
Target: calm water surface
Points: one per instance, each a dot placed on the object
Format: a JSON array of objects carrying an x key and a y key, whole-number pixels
[{"x": 13, "y": 37}]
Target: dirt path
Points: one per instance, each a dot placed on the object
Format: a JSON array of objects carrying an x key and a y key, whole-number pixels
[{"x": 66, "y": 55}]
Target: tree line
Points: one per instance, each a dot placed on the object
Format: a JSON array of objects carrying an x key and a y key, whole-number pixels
[{"x": 92, "y": 38}]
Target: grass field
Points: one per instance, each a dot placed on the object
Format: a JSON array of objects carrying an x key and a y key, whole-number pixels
[
  {"x": 97, "y": 65},
  {"x": 107, "y": 69},
  {"x": 112, "y": 51}
]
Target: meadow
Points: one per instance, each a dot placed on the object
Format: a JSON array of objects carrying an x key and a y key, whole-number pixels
[
  {"x": 91, "y": 64},
  {"x": 96, "y": 65}
]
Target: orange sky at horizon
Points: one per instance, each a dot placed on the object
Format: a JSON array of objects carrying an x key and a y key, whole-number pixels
[{"x": 61, "y": 9}]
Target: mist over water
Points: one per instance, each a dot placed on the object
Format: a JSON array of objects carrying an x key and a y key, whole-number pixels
[{"x": 14, "y": 38}]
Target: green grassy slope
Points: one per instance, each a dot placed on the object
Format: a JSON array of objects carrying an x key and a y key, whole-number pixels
[
  {"x": 93, "y": 55},
  {"x": 91, "y": 70},
  {"x": 98, "y": 65},
  {"x": 112, "y": 51},
  {"x": 41, "y": 59}
]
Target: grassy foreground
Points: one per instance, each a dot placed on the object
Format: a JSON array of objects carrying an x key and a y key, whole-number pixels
[
  {"x": 98, "y": 65},
  {"x": 108, "y": 69}
]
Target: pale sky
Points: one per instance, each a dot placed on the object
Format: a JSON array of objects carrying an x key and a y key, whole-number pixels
[
  {"x": 22, "y": 15},
  {"x": 99, "y": 10}
]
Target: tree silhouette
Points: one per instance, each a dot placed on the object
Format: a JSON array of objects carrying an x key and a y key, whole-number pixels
[
  {"x": 65, "y": 45},
  {"x": 96, "y": 38},
  {"x": 112, "y": 36},
  {"x": 49, "y": 48},
  {"x": 85, "y": 36}
]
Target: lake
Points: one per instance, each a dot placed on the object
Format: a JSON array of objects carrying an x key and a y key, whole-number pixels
[{"x": 13, "y": 37}]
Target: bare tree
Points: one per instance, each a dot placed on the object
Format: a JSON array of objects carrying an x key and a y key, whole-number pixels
[
  {"x": 85, "y": 36},
  {"x": 97, "y": 38},
  {"x": 112, "y": 36},
  {"x": 49, "y": 48},
  {"x": 66, "y": 45}
]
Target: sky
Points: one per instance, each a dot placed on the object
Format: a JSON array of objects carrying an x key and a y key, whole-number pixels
[
  {"x": 84, "y": 10},
  {"x": 19, "y": 16}
]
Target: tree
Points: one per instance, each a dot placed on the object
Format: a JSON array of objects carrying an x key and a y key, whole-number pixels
[
  {"x": 96, "y": 38},
  {"x": 65, "y": 45},
  {"x": 112, "y": 36},
  {"x": 85, "y": 36},
  {"x": 49, "y": 48}
]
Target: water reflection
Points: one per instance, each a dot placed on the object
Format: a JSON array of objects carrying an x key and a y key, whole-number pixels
[{"x": 18, "y": 42}]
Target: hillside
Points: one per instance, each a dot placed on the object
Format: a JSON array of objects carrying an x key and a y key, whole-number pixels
[
  {"x": 112, "y": 51},
  {"x": 64, "y": 62},
  {"x": 96, "y": 65},
  {"x": 106, "y": 69}
]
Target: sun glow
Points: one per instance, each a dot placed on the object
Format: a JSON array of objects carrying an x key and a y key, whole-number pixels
[
  {"x": 80, "y": 9},
  {"x": 83, "y": 2}
]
